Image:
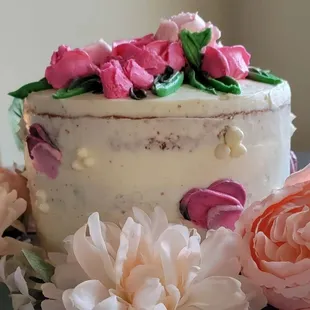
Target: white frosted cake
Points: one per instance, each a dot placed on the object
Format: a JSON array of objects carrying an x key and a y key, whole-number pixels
[{"x": 157, "y": 120}]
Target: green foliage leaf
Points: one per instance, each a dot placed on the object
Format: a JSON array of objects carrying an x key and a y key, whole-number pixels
[
  {"x": 263, "y": 76},
  {"x": 164, "y": 86},
  {"x": 42, "y": 269},
  {"x": 5, "y": 297},
  {"x": 15, "y": 113},
  {"x": 192, "y": 43},
  {"x": 198, "y": 83},
  {"x": 25, "y": 90},
  {"x": 225, "y": 84},
  {"x": 80, "y": 86}
]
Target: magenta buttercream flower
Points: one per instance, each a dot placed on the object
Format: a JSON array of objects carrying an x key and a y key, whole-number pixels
[
  {"x": 67, "y": 65},
  {"x": 218, "y": 205},
  {"x": 230, "y": 61},
  {"x": 170, "y": 28},
  {"x": 98, "y": 51},
  {"x": 114, "y": 81},
  {"x": 139, "y": 42},
  {"x": 139, "y": 77},
  {"x": 45, "y": 155}
]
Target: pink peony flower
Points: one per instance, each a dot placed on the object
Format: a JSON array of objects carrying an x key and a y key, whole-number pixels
[
  {"x": 139, "y": 77},
  {"x": 46, "y": 157},
  {"x": 226, "y": 61},
  {"x": 114, "y": 81},
  {"x": 67, "y": 65},
  {"x": 276, "y": 236},
  {"x": 98, "y": 52},
  {"x": 218, "y": 205},
  {"x": 170, "y": 28}
]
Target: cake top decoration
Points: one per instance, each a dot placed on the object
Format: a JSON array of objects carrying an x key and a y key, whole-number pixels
[{"x": 184, "y": 49}]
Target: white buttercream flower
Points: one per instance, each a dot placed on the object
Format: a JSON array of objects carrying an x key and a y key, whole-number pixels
[
  {"x": 149, "y": 264},
  {"x": 17, "y": 285}
]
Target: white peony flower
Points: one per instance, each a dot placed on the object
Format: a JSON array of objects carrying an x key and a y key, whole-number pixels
[
  {"x": 17, "y": 285},
  {"x": 151, "y": 265},
  {"x": 11, "y": 208}
]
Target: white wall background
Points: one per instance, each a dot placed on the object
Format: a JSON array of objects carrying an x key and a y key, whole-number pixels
[{"x": 275, "y": 32}]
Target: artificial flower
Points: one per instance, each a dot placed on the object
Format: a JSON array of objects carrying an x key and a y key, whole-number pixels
[
  {"x": 16, "y": 283},
  {"x": 230, "y": 61},
  {"x": 150, "y": 264},
  {"x": 170, "y": 28},
  {"x": 45, "y": 155},
  {"x": 218, "y": 205},
  {"x": 276, "y": 239},
  {"x": 11, "y": 208},
  {"x": 98, "y": 52},
  {"x": 114, "y": 81},
  {"x": 66, "y": 65}
]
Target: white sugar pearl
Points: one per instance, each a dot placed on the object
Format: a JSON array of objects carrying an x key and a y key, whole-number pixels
[
  {"x": 233, "y": 136},
  {"x": 41, "y": 195},
  {"x": 238, "y": 150},
  {"x": 44, "y": 207},
  {"x": 88, "y": 162},
  {"x": 82, "y": 152},
  {"x": 221, "y": 151},
  {"x": 76, "y": 165}
]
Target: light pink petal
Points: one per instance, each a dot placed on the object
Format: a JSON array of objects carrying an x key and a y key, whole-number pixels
[
  {"x": 98, "y": 52},
  {"x": 167, "y": 30},
  {"x": 215, "y": 63},
  {"x": 159, "y": 47},
  {"x": 139, "y": 77},
  {"x": 111, "y": 303},
  {"x": 238, "y": 60},
  {"x": 139, "y": 42},
  {"x": 52, "y": 305},
  {"x": 50, "y": 291},
  {"x": 183, "y": 18},
  {"x": 300, "y": 176}
]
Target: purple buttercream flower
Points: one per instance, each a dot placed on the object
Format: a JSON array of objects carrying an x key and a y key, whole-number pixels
[
  {"x": 45, "y": 155},
  {"x": 218, "y": 205}
]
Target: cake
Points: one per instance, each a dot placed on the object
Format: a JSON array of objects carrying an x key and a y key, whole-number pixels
[{"x": 158, "y": 120}]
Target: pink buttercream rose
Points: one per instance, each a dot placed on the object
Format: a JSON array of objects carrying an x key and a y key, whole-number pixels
[
  {"x": 276, "y": 237},
  {"x": 139, "y": 77},
  {"x": 114, "y": 81},
  {"x": 98, "y": 52},
  {"x": 45, "y": 156},
  {"x": 230, "y": 61},
  {"x": 218, "y": 205},
  {"x": 226, "y": 61},
  {"x": 67, "y": 65},
  {"x": 170, "y": 28}
]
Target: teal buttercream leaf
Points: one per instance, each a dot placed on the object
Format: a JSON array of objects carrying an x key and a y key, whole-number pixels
[
  {"x": 25, "y": 90},
  {"x": 225, "y": 84},
  {"x": 201, "y": 84},
  {"x": 263, "y": 76},
  {"x": 80, "y": 86},
  {"x": 5, "y": 297},
  {"x": 15, "y": 112},
  {"x": 192, "y": 43},
  {"x": 43, "y": 269}
]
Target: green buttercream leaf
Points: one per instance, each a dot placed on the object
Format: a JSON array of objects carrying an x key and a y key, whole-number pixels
[
  {"x": 80, "y": 86},
  {"x": 192, "y": 43},
  {"x": 43, "y": 269},
  {"x": 5, "y": 297},
  {"x": 15, "y": 112},
  {"x": 25, "y": 90},
  {"x": 263, "y": 76},
  {"x": 225, "y": 84},
  {"x": 163, "y": 87},
  {"x": 198, "y": 83}
]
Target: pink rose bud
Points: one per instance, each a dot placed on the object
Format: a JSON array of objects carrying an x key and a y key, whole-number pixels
[
  {"x": 114, "y": 81},
  {"x": 98, "y": 52},
  {"x": 67, "y": 65},
  {"x": 139, "y": 77},
  {"x": 218, "y": 205},
  {"x": 230, "y": 61}
]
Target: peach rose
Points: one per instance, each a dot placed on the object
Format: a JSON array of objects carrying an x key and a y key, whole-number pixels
[{"x": 276, "y": 236}]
